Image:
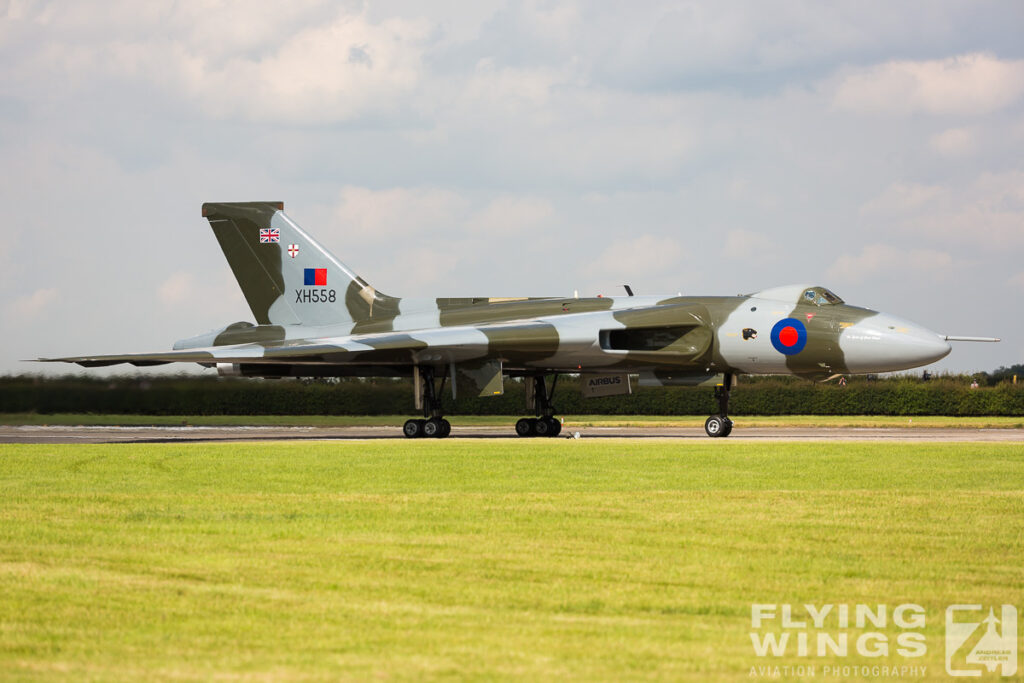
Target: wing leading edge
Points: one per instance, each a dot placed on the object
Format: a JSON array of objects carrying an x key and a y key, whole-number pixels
[{"x": 438, "y": 345}]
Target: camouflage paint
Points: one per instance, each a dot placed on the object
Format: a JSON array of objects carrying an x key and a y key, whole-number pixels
[{"x": 316, "y": 315}]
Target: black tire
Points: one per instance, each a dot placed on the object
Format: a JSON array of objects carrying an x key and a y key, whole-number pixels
[
  {"x": 432, "y": 428},
  {"x": 728, "y": 428},
  {"x": 526, "y": 427},
  {"x": 446, "y": 428},
  {"x": 551, "y": 426},
  {"x": 413, "y": 429},
  {"x": 714, "y": 426}
]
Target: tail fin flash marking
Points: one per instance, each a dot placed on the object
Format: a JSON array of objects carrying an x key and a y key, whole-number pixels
[{"x": 294, "y": 279}]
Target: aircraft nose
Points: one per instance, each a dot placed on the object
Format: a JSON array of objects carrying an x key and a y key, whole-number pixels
[{"x": 884, "y": 343}]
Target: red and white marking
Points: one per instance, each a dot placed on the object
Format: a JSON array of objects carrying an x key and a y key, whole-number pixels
[{"x": 293, "y": 250}]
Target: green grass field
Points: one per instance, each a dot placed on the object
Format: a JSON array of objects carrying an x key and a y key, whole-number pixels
[
  {"x": 695, "y": 421},
  {"x": 584, "y": 559}
]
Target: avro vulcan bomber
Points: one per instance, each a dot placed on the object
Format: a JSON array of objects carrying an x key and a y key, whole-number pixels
[{"x": 316, "y": 318}]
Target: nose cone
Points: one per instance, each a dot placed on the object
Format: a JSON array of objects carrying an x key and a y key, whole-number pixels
[{"x": 884, "y": 343}]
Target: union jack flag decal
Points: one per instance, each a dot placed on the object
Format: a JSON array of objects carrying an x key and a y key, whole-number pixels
[{"x": 268, "y": 235}]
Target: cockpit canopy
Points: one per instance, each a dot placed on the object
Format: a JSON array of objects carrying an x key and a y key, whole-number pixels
[
  {"x": 819, "y": 296},
  {"x": 800, "y": 294}
]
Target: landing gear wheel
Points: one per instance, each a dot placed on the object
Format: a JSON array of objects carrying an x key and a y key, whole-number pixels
[
  {"x": 413, "y": 429},
  {"x": 539, "y": 397},
  {"x": 721, "y": 425},
  {"x": 526, "y": 426},
  {"x": 548, "y": 426},
  {"x": 715, "y": 426},
  {"x": 430, "y": 400},
  {"x": 433, "y": 429}
]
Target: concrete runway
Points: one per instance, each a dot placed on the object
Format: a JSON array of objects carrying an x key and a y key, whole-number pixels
[{"x": 81, "y": 434}]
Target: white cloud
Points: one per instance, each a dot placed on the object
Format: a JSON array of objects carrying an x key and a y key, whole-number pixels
[
  {"x": 987, "y": 213},
  {"x": 215, "y": 292},
  {"x": 34, "y": 305},
  {"x": 510, "y": 90},
  {"x": 888, "y": 263},
  {"x": 179, "y": 288},
  {"x": 422, "y": 272},
  {"x": 411, "y": 213},
  {"x": 418, "y": 213},
  {"x": 337, "y": 67},
  {"x": 955, "y": 142},
  {"x": 510, "y": 216},
  {"x": 748, "y": 245},
  {"x": 969, "y": 84},
  {"x": 903, "y": 198},
  {"x": 645, "y": 255},
  {"x": 344, "y": 69}
]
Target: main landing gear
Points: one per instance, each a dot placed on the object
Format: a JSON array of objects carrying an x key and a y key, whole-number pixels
[
  {"x": 721, "y": 425},
  {"x": 545, "y": 424},
  {"x": 433, "y": 425}
]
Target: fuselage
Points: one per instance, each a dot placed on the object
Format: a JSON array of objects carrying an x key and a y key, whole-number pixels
[{"x": 798, "y": 330}]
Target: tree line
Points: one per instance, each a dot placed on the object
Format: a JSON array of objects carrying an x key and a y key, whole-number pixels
[{"x": 995, "y": 394}]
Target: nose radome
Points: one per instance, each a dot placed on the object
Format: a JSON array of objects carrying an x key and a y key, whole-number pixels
[{"x": 884, "y": 343}]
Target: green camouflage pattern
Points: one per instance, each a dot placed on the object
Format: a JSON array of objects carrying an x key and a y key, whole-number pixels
[{"x": 316, "y": 317}]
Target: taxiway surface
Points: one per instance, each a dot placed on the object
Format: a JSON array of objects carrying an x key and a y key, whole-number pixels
[{"x": 45, "y": 434}]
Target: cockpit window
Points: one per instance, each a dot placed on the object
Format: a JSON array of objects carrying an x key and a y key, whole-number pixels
[
  {"x": 830, "y": 297},
  {"x": 821, "y": 297}
]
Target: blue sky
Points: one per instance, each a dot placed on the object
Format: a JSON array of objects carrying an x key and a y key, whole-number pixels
[{"x": 513, "y": 149}]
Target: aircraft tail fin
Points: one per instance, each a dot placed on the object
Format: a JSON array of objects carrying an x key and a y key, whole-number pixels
[{"x": 287, "y": 277}]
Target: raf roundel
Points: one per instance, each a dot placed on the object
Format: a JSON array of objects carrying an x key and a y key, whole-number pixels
[{"x": 789, "y": 336}]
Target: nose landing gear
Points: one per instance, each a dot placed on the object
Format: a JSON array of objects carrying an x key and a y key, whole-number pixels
[{"x": 720, "y": 425}]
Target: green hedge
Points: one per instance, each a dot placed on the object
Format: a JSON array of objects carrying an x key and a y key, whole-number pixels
[{"x": 754, "y": 396}]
